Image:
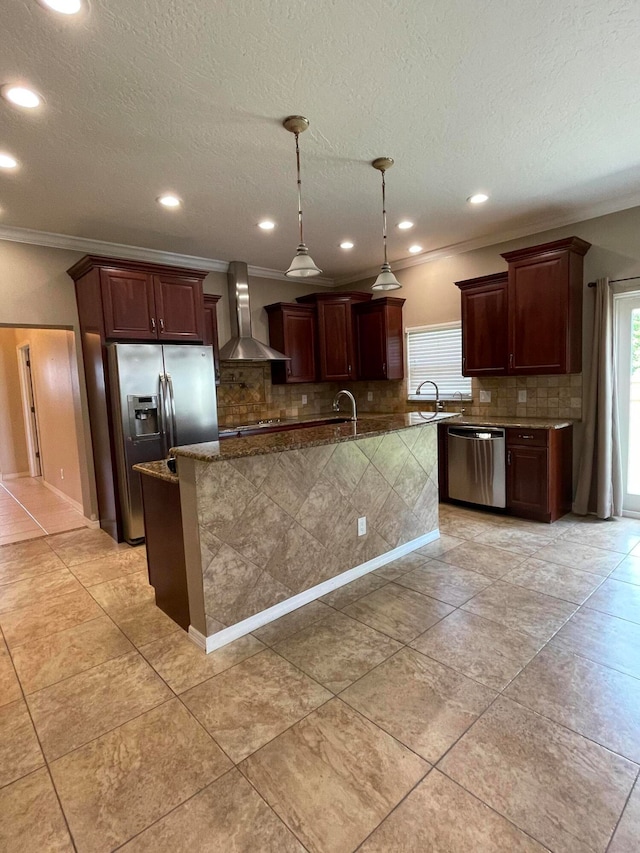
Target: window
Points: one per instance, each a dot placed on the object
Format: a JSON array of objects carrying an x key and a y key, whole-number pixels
[{"x": 435, "y": 352}]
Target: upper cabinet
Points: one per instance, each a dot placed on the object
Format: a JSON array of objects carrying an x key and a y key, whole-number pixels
[
  {"x": 484, "y": 325},
  {"x": 380, "y": 337},
  {"x": 545, "y": 307},
  {"x": 144, "y": 302},
  {"x": 210, "y": 337},
  {"x": 337, "y": 335},
  {"x": 292, "y": 331},
  {"x": 528, "y": 320}
]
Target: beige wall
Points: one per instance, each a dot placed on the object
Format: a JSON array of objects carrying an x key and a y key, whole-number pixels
[{"x": 13, "y": 445}]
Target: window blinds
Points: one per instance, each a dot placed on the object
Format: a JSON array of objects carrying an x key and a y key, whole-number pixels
[{"x": 435, "y": 352}]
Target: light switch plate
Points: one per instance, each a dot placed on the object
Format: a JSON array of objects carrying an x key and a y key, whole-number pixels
[
  {"x": 369, "y": 396},
  {"x": 362, "y": 525},
  {"x": 522, "y": 396},
  {"x": 304, "y": 399},
  {"x": 485, "y": 396}
]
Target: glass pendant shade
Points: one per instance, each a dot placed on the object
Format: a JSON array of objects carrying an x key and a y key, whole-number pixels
[
  {"x": 386, "y": 280},
  {"x": 302, "y": 266}
]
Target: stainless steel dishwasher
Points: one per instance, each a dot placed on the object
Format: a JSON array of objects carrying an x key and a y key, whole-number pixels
[{"x": 476, "y": 465}]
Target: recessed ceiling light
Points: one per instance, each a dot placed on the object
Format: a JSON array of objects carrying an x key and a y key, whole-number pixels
[
  {"x": 405, "y": 224},
  {"x": 478, "y": 198},
  {"x": 65, "y": 7},
  {"x": 169, "y": 201},
  {"x": 267, "y": 225},
  {"x": 346, "y": 244},
  {"x": 415, "y": 249},
  {"x": 7, "y": 161},
  {"x": 21, "y": 96}
]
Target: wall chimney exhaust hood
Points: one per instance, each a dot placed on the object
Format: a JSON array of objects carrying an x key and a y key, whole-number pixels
[{"x": 243, "y": 346}]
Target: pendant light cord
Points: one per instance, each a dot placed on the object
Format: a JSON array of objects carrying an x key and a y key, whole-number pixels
[
  {"x": 384, "y": 218},
  {"x": 299, "y": 189}
]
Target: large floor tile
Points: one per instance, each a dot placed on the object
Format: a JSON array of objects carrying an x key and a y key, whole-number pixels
[
  {"x": 119, "y": 784},
  {"x": 463, "y": 528},
  {"x": 78, "y": 546},
  {"x": 516, "y": 540},
  {"x": 42, "y": 620},
  {"x": 19, "y": 749},
  {"x": 109, "y": 568},
  {"x": 440, "y": 546},
  {"x": 27, "y": 559},
  {"x": 398, "y": 612},
  {"x": 628, "y": 570},
  {"x": 31, "y": 817},
  {"x": 559, "y": 787},
  {"x": 333, "y": 777},
  {"x": 582, "y": 557},
  {"x": 602, "y": 638},
  {"x": 86, "y": 705},
  {"x": 483, "y": 650},
  {"x": 9, "y": 685},
  {"x": 617, "y": 598},
  {"x": 123, "y": 592},
  {"x": 180, "y": 663},
  {"x": 250, "y": 704},
  {"x": 422, "y": 703},
  {"x": 337, "y": 651},
  {"x": 491, "y": 562},
  {"x": 144, "y": 623},
  {"x": 556, "y": 580},
  {"x": 627, "y": 833},
  {"x": 227, "y": 817},
  {"x": 521, "y": 609},
  {"x": 612, "y": 535},
  {"x": 292, "y": 622},
  {"x": 593, "y": 700},
  {"x": 441, "y": 817},
  {"x": 50, "y": 659},
  {"x": 38, "y": 590},
  {"x": 11, "y": 539},
  {"x": 447, "y": 583},
  {"x": 347, "y": 594}
]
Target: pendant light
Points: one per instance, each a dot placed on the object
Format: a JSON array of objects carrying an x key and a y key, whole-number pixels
[
  {"x": 386, "y": 280},
  {"x": 302, "y": 266}
]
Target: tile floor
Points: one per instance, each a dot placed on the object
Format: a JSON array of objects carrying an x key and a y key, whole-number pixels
[
  {"x": 480, "y": 695},
  {"x": 29, "y": 510}
]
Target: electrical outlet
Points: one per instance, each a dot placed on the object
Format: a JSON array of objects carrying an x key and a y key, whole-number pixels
[
  {"x": 304, "y": 399},
  {"x": 485, "y": 396},
  {"x": 369, "y": 396},
  {"x": 62, "y": 473},
  {"x": 522, "y": 396},
  {"x": 362, "y": 525}
]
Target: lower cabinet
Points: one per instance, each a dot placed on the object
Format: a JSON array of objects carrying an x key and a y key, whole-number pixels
[
  {"x": 539, "y": 472},
  {"x": 527, "y": 478}
]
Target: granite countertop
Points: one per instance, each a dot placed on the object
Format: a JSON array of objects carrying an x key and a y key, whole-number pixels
[
  {"x": 157, "y": 469},
  {"x": 366, "y": 426},
  {"x": 513, "y": 421}
]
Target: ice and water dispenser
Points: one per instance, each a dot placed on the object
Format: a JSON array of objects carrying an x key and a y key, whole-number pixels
[{"x": 143, "y": 417}]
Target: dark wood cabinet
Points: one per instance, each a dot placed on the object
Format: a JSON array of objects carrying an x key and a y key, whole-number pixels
[
  {"x": 528, "y": 320},
  {"x": 527, "y": 480},
  {"x": 337, "y": 334},
  {"x": 380, "y": 338},
  {"x": 292, "y": 331},
  {"x": 129, "y": 305},
  {"x": 545, "y": 307},
  {"x": 484, "y": 325},
  {"x": 539, "y": 472},
  {"x": 210, "y": 330},
  {"x": 178, "y": 308}
]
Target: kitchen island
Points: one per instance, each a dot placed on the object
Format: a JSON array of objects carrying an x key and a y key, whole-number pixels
[{"x": 270, "y": 522}]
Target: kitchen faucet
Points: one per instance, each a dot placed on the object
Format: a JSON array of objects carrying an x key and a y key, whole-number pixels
[
  {"x": 453, "y": 396},
  {"x": 439, "y": 405},
  {"x": 336, "y": 403}
]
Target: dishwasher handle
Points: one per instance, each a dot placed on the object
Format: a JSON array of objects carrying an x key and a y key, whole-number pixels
[{"x": 476, "y": 434}]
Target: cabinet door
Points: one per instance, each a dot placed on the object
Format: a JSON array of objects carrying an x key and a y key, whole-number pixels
[
  {"x": 538, "y": 315},
  {"x": 210, "y": 330},
  {"x": 528, "y": 481},
  {"x": 179, "y": 307},
  {"x": 335, "y": 329},
  {"x": 372, "y": 344},
  {"x": 484, "y": 330},
  {"x": 128, "y": 304},
  {"x": 299, "y": 333}
]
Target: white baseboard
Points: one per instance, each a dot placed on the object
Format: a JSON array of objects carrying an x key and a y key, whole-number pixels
[
  {"x": 18, "y": 476},
  {"x": 240, "y": 629}
]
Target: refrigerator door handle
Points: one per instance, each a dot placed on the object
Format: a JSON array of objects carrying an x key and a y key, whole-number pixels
[
  {"x": 172, "y": 411},
  {"x": 164, "y": 422}
]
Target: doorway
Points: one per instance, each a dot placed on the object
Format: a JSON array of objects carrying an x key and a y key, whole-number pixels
[
  {"x": 627, "y": 318},
  {"x": 29, "y": 409}
]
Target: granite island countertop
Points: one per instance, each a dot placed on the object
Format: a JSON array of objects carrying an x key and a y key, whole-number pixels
[
  {"x": 158, "y": 469},
  {"x": 513, "y": 421},
  {"x": 366, "y": 426}
]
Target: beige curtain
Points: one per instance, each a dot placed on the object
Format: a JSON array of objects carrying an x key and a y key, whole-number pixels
[{"x": 599, "y": 486}]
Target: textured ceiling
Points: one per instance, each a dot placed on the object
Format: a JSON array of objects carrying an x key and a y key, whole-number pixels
[{"x": 537, "y": 103}]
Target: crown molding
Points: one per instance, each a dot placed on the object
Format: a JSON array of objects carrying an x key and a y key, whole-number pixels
[
  {"x": 530, "y": 229},
  {"x": 136, "y": 253}
]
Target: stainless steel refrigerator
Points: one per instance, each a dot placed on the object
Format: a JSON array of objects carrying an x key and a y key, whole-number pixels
[{"x": 163, "y": 396}]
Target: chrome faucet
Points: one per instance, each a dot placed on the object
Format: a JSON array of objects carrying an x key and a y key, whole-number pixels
[
  {"x": 439, "y": 404},
  {"x": 336, "y": 403},
  {"x": 453, "y": 396}
]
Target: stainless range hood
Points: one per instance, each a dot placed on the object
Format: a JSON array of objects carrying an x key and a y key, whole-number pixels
[{"x": 243, "y": 346}]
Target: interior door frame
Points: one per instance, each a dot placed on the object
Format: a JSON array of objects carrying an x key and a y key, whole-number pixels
[
  {"x": 28, "y": 393},
  {"x": 624, "y": 303}
]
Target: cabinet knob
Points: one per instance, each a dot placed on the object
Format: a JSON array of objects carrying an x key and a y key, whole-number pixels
[
  {"x": 161, "y": 324},
  {"x": 153, "y": 324}
]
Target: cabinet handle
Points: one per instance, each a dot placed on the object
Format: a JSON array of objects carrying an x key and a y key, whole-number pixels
[
  {"x": 511, "y": 359},
  {"x": 288, "y": 371},
  {"x": 161, "y": 324},
  {"x": 349, "y": 368},
  {"x": 464, "y": 364},
  {"x": 508, "y": 457},
  {"x": 523, "y": 435},
  {"x": 384, "y": 367},
  {"x": 153, "y": 324}
]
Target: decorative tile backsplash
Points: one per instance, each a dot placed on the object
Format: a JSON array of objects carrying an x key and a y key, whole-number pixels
[{"x": 246, "y": 395}]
